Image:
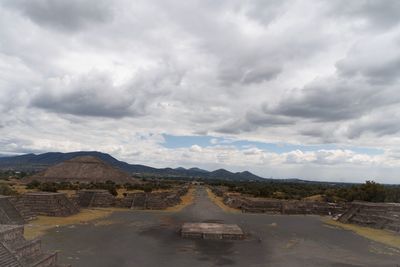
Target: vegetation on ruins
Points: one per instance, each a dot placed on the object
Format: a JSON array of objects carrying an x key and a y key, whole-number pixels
[
  {"x": 112, "y": 187},
  {"x": 150, "y": 186},
  {"x": 10, "y": 174},
  {"x": 6, "y": 190},
  {"x": 369, "y": 191}
]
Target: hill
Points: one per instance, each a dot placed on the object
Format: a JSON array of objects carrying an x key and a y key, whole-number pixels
[{"x": 33, "y": 162}]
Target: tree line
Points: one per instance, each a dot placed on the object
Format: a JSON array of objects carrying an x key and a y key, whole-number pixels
[{"x": 369, "y": 191}]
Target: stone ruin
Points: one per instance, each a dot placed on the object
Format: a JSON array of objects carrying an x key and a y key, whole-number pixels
[
  {"x": 95, "y": 198},
  {"x": 15, "y": 211},
  {"x": 16, "y": 251},
  {"x": 152, "y": 200},
  {"x": 8, "y": 212},
  {"x": 49, "y": 204},
  {"x": 375, "y": 215},
  {"x": 212, "y": 231},
  {"x": 278, "y": 206},
  {"x": 132, "y": 200},
  {"x": 23, "y": 208}
]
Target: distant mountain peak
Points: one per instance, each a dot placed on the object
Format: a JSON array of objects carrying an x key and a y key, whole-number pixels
[{"x": 32, "y": 162}]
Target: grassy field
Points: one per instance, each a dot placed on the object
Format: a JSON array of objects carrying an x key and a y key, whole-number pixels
[{"x": 43, "y": 223}]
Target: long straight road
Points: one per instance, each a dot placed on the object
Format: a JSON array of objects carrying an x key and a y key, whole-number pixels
[{"x": 151, "y": 238}]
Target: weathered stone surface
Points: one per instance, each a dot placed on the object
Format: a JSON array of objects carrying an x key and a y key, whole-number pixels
[
  {"x": 49, "y": 204},
  {"x": 23, "y": 209},
  {"x": 15, "y": 251},
  {"x": 376, "y": 215},
  {"x": 212, "y": 231},
  {"x": 96, "y": 198},
  {"x": 152, "y": 200},
  {"x": 157, "y": 200},
  {"x": 279, "y": 206},
  {"x": 8, "y": 213}
]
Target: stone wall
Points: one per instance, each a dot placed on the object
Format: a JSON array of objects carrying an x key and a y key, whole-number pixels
[
  {"x": 376, "y": 215},
  {"x": 15, "y": 251},
  {"x": 96, "y": 198},
  {"x": 152, "y": 200},
  {"x": 49, "y": 204},
  {"x": 23, "y": 209},
  {"x": 8, "y": 213},
  {"x": 278, "y": 206}
]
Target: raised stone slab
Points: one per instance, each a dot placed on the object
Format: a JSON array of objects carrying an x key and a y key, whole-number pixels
[{"x": 212, "y": 231}]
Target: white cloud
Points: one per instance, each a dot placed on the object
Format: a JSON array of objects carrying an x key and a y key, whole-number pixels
[{"x": 114, "y": 76}]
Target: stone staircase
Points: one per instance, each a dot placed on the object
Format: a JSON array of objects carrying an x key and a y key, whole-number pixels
[
  {"x": 26, "y": 213},
  {"x": 49, "y": 204},
  {"x": 96, "y": 198},
  {"x": 16, "y": 251},
  {"x": 346, "y": 217},
  {"x": 7, "y": 259},
  {"x": 8, "y": 213},
  {"x": 376, "y": 215},
  {"x": 85, "y": 198}
]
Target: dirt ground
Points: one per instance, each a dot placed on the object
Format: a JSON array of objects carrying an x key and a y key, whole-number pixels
[{"x": 151, "y": 238}]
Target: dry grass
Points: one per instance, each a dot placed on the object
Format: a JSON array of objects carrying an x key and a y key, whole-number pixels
[
  {"x": 381, "y": 236},
  {"x": 318, "y": 198},
  {"x": 69, "y": 193},
  {"x": 218, "y": 201},
  {"x": 121, "y": 192},
  {"x": 43, "y": 223},
  {"x": 186, "y": 200},
  {"x": 21, "y": 189}
]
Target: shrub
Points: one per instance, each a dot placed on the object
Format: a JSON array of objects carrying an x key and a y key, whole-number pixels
[
  {"x": 33, "y": 185},
  {"x": 6, "y": 190},
  {"x": 48, "y": 187}
]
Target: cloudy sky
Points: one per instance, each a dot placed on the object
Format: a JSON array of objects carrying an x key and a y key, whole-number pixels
[{"x": 307, "y": 89}]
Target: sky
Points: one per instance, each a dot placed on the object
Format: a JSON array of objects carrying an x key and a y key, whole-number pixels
[{"x": 282, "y": 88}]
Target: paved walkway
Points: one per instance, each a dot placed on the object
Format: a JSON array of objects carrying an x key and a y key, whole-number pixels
[{"x": 151, "y": 238}]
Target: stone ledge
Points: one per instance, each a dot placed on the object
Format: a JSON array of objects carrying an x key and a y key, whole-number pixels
[{"x": 212, "y": 231}]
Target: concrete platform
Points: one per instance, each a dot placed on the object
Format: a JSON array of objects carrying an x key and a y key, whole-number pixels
[{"x": 212, "y": 231}]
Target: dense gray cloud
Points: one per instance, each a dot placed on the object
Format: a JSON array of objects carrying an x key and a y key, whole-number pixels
[
  {"x": 90, "y": 95},
  {"x": 381, "y": 14},
  {"x": 102, "y": 74},
  {"x": 69, "y": 15},
  {"x": 358, "y": 95}
]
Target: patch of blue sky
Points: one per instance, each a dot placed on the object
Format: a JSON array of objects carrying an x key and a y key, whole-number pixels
[{"x": 172, "y": 142}]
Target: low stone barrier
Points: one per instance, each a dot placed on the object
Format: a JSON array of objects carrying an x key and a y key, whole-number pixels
[
  {"x": 278, "y": 206},
  {"x": 153, "y": 200},
  {"x": 95, "y": 198},
  {"x": 16, "y": 251},
  {"x": 132, "y": 200},
  {"x": 376, "y": 215},
  {"x": 49, "y": 204}
]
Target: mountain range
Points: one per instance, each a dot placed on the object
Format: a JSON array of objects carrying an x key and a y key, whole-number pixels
[{"x": 33, "y": 162}]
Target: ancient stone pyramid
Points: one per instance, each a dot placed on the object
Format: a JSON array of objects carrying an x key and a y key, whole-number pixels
[{"x": 84, "y": 169}]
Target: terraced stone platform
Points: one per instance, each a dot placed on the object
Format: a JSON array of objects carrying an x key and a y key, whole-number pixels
[
  {"x": 16, "y": 251},
  {"x": 212, "y": 231}
]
